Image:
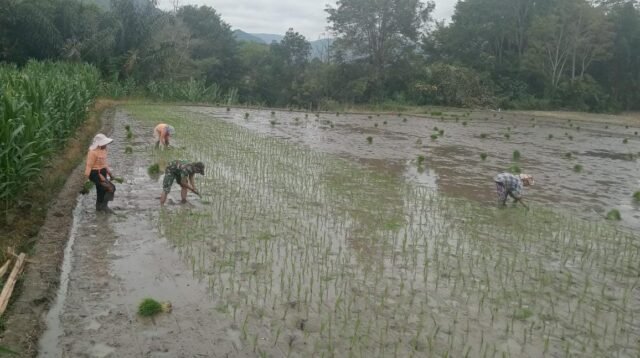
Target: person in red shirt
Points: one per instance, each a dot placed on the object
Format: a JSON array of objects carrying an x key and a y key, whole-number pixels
[{"x": 97, "y": 170}]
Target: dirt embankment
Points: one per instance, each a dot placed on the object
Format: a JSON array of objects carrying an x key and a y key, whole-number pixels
[{"x": 24, "y": 320}]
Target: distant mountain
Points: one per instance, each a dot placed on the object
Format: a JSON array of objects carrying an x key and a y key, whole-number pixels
[
  {"x": 243, "y": 36},
  {"x": 269, "y": 38},
  {"x": 320, "y": 48}
]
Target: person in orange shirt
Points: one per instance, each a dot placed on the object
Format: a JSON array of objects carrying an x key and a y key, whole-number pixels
[
  {"x": 162, "y": 133},
  {"x": 97, "y": 170}
]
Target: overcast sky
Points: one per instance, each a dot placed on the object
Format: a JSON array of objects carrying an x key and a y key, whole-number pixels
[{"x": 276, "y": 16}]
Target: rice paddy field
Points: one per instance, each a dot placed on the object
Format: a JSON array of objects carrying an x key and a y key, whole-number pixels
[{"x": 378, "y": 235}]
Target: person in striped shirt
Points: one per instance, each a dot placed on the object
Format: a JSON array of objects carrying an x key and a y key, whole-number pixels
[
  {"x": 97, "y": 170},
  {"x": 508, "y": 184}
]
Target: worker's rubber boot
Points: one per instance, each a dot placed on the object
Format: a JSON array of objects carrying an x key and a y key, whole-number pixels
[{"x": 108, "y": 196}]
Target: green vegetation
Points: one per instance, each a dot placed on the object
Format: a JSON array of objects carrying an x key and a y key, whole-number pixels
[
  {"x": 625, "y": 141},
  {"x": 507, "y": 135},
  {"x": 369, "y": 139},
  {"x": 568, "y": 155},
  {"x": 441, "y": 132},
  {"x": 577, "y": 168},
  {"x": 41, "y": 106},
  {"x": 516, "y": 155},
  {"x": 483, "y": 135},
  {"x": 434, "y": 136},
  {"x": 128, "y": 150},
  {"x": 614, "y": 215},
  {"x": 636, "y": 196},
  {"x": 550, "y": 136},
  {"x": 154, "y": 169},
  {"x": 421, "y": 159},
  {"x": 149, "y": 307},
  {"x": 483, "y": 156},
  {"x": 514, "y": 169}
]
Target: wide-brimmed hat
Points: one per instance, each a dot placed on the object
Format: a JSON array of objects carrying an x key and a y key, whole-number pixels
[
  {"x": 100, "y": 140},
  {"x": 199, "y": 167},
  {"x": 528, "y": 178}
]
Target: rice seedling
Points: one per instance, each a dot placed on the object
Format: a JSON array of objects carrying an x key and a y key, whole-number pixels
[
  {"x": 636, "y": 196},
  {"x": 568, "y": 155},
  {"x": 464, "y": 123},
  {"x": 614, "y": 215},
  {"x": 507, "y": 135},
  {"x": 369, "y": 139},
  {"x": 273, "y": 122},
  {"x": 405, "y": 120},
  {"x": 570, "y": 137},
  {"x": 118, "y": 180},
  {"x": 337, "y": 114},
  {"x": 627, "y": 127},
  {"x": 577, "y": 168},
  {"x": 435, "y": 129},
  {"x": 515, "y": 169},
  {"x": 578, "y": 128},
  {"x": 149, "y": 307},
  {"x": 385, "y": 123},
  {"x": 246, "y": 115},
  {"x": 434, "y": 136},
  {"x": 421, "y": 159},
  {"x": 441, "y": 132},
  {"x": 128, "y": 150},
  {"x": 273, "y": 113},
  {"x": 153, "y": 169},
  {"x": 516, "y": 155},
  {"x": 228, "y": 109},
  {"x": 331, "y": 125},
  {"x": 550, "y": 136},
  {"x": 127, "y": 128},
  {"x": 436, "y": 113},
  {"x": 625, "y": 141},
  {"x": 606, "y": 127},
  {"x": 129, "y": 135},
  {"x": 483, "y": 156},
  {"x": 86, "y": 187},
  {"x": 369, "y": 117},
  {"x": 375, "y": 125},
  {"x": 483, "y": 135},
  {"x": 635, "y": 133}
]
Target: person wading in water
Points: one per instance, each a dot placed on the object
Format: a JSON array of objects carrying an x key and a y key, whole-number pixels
[
  {"x": 182, "y": 172},
  {"x": 162, "y": 133},
  {"x": 97, "y": 170},
  {"x": 508, "y": 184}
]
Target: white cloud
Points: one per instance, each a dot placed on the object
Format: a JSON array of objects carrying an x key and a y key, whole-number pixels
[{"x": 276, "y": 16}]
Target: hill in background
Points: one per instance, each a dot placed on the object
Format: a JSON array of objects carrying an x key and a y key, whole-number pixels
[{"x": 319, "y": 48}]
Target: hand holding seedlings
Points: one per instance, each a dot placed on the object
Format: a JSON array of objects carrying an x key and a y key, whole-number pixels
[
  {"x": 183, "y": 173},
  {"x": 162, "y": 133}
]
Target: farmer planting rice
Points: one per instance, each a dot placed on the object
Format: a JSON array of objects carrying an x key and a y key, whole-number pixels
[
  {"x": 182, "y": 172},
  {"x": 97, "y": 170},
  {"x": 162, "y": 133},
  {"x": 508, "y": 184}
]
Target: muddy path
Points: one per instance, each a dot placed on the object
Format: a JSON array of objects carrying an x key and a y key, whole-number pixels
[{"x": 118, "y": 260}]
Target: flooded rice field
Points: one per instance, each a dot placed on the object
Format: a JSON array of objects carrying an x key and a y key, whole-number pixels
[{"x": 312, "y": 240}]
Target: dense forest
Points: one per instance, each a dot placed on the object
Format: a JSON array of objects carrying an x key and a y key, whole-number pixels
[{"x": 529, "y": 54}]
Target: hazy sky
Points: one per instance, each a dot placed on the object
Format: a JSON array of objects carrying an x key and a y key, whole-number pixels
[{"x": 276, "y": 16}]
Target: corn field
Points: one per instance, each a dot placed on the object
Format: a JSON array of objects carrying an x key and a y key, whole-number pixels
[{"x": 41, "y": 105}]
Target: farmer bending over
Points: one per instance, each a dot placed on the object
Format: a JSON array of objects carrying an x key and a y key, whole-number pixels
[
  {"x": 97, "y": 170},
  {"x": 162, "y": 133},
  {"x": 512, "y": 185},
  {"x": 182, "y": 172}
]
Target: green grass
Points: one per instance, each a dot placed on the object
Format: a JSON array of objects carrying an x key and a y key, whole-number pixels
[
  {"x": 149, "y": 307},
  {"x": 614, "y": 215},
  {"x": 436, "y": 113}
]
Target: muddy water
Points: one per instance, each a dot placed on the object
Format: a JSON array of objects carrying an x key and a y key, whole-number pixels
[{"x": 610, "y": 175}]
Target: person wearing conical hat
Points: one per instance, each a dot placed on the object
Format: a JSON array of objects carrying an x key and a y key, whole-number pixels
[
  {"x": 97, "y": 170},
  {"x": 162, "y": 133},
  {"x": 508, "y": 184}
]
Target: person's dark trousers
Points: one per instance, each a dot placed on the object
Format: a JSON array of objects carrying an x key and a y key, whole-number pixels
[{"x": 102, "y": 188}]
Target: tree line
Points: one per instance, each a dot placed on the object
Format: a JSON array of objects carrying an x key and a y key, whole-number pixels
[{"x": 528, "y": 54}]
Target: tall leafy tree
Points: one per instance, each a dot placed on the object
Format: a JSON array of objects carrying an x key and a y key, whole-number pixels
[{"x": 377, "y": 30}]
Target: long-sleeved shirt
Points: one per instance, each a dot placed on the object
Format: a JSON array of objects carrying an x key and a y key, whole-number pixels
[
  {"x": 512, "y": 183},
  {"x": 96, "y": 160},
  {"x": 160, "y": 133}
]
